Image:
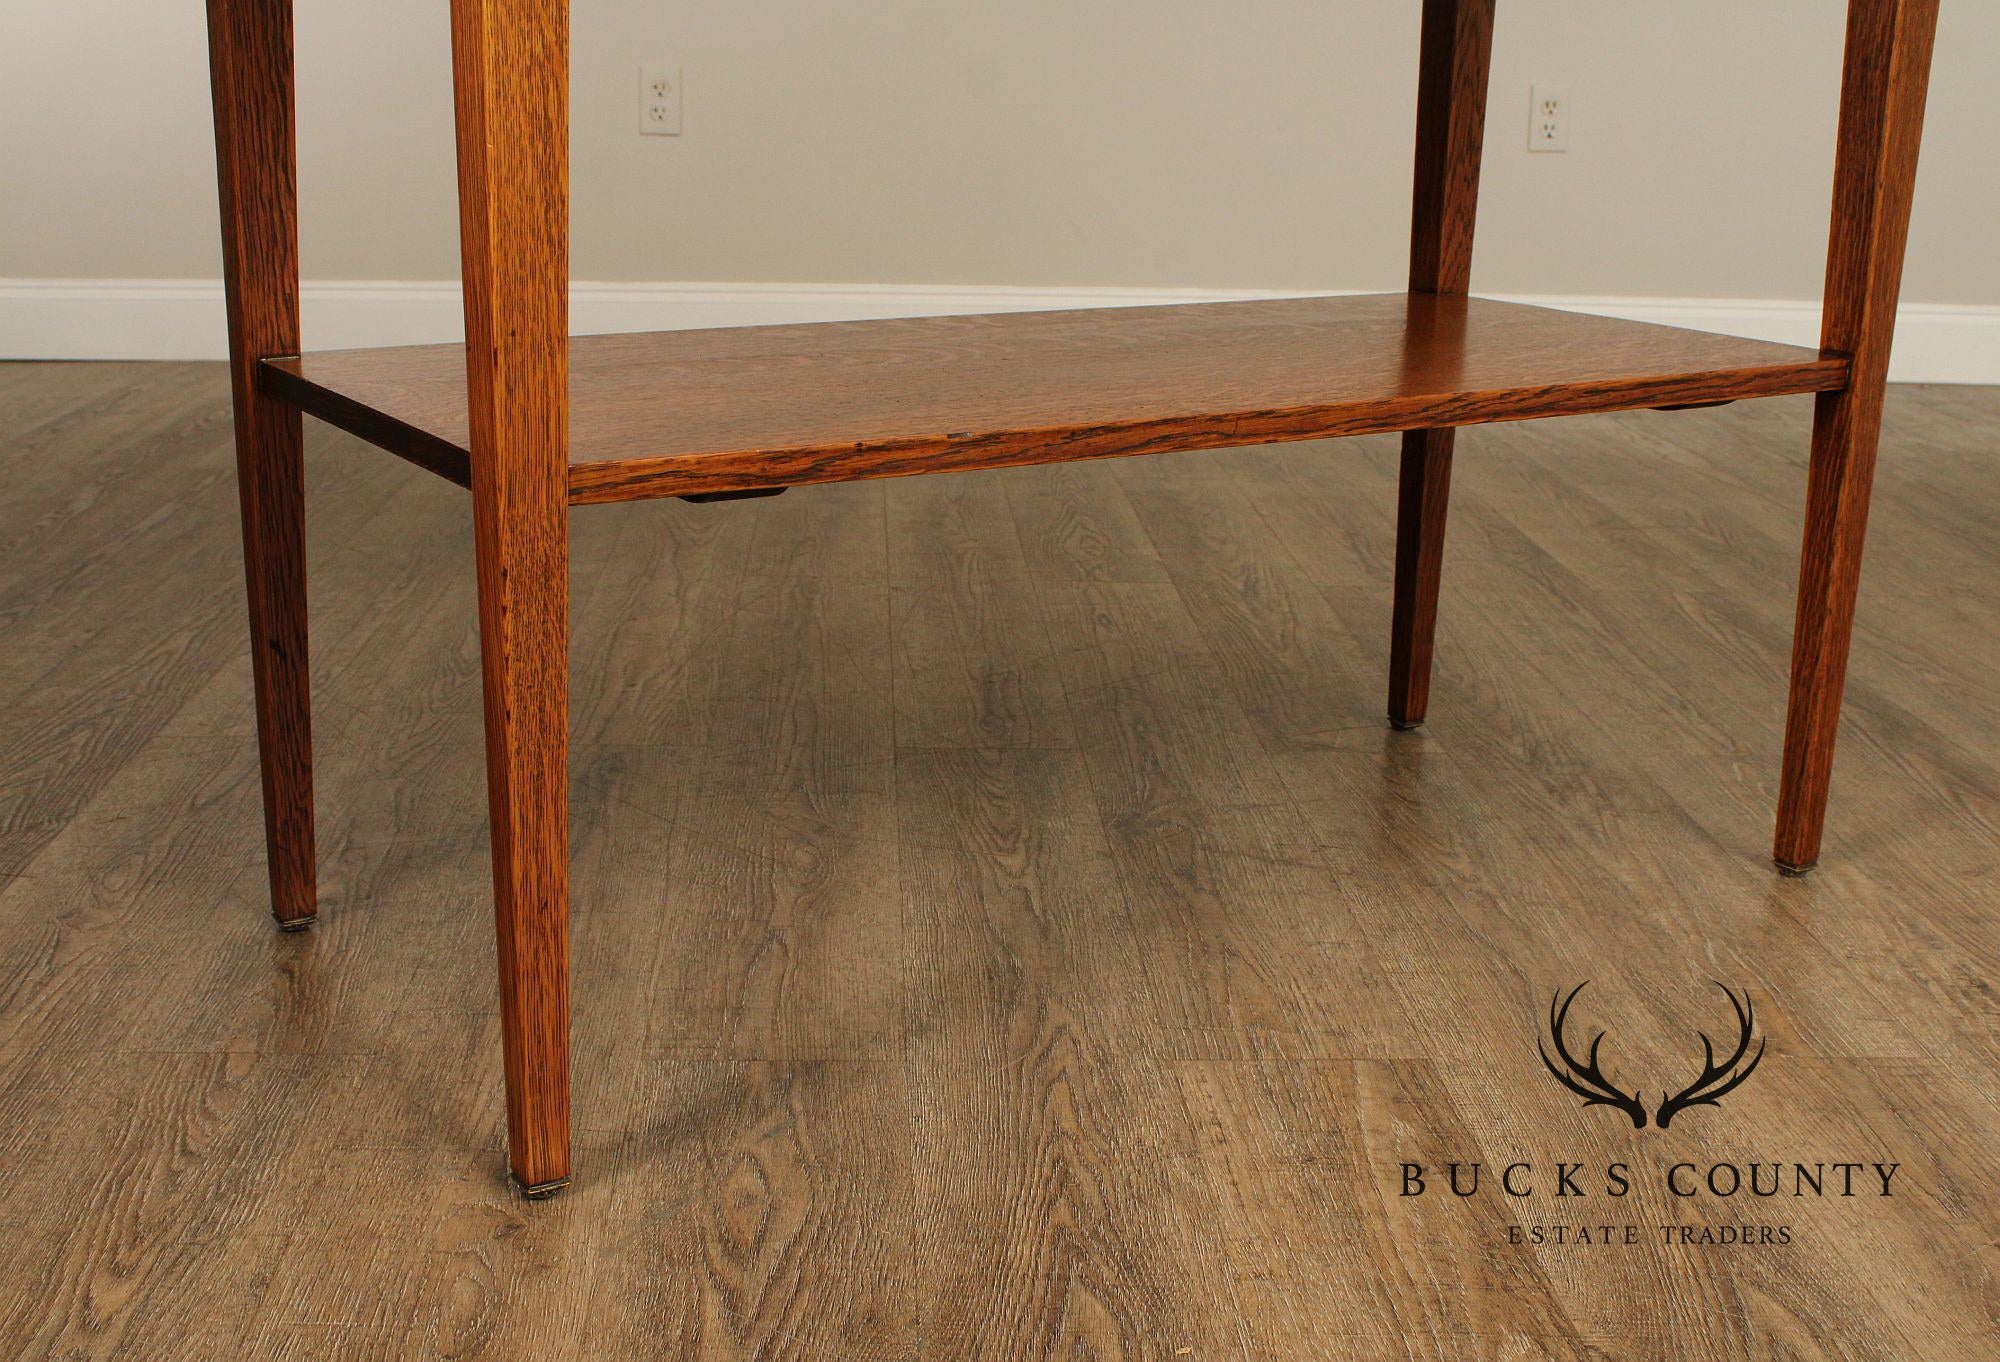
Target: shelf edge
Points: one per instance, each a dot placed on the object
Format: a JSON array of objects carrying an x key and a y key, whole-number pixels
[
  {"x": 429, "y": 452},
  {"x": 608, "y": 481}
]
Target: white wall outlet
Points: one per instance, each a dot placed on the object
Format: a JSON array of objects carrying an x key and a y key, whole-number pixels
[
  {"x": 1548, "y": 118},
  {"x": 660, "y": 101}
]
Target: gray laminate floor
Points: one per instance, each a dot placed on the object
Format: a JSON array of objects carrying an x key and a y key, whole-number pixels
[{"x": 1004, "y": 927}]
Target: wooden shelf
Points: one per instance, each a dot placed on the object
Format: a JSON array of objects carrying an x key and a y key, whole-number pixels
[{"x": 690, "y": 412}]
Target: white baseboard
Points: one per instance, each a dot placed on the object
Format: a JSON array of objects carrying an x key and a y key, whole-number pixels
[{"x": 183, "y": 319}]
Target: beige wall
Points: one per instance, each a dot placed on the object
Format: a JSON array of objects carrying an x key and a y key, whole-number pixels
[{"x": 1217, "y": 143}]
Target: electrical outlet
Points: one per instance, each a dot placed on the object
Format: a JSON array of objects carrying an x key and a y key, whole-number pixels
[
  {"x": 1548, "y": 118},
  {"x": 660, "y": 101}
]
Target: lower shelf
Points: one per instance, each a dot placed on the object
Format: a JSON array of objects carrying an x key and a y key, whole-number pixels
[{"x": 677, "y": 413}]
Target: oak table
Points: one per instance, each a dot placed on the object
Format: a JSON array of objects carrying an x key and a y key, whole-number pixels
[{"x": 533, "y": 423}]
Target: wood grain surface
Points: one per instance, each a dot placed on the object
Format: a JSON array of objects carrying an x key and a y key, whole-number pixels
[
  {"x": 510, "y": 61},
  {"x": 1003, "y": 927},
  {"x": 250, "y": 65},
  {"x": 1453, "y": 73},
  {"x": 1889, "y": 46},
  {"x": 675, "y": 413}
]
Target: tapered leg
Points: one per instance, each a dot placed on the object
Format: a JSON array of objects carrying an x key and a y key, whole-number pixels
[
  {"x": 1420, "y": 513},
  {"x": 1451, "y": 122},
  {"x": 1889, "y": 46},
  {"x": 1843, "y": 469},
  {"x": 511, "y": 59},
  {"x": 250, "y": 67}
]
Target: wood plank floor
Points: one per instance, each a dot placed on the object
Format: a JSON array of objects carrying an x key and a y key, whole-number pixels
[{"x": 1005, "y": 927}]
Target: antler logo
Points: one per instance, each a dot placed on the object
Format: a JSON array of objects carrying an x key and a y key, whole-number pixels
[
  {"x": 1587, "y": 1080},
  {"x": 1703, "y": 1092}
]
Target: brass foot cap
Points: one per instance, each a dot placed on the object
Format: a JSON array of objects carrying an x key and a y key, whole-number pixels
[
  {"x": 1406, "y": 725},
  {"x": 1795, "y": 872},
  {"x": 541, "y": 1191},
  {"x": 296, "y": 924}
]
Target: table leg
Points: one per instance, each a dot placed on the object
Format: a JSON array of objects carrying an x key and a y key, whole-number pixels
[
  {"x": 1451, "y": 121},
  {"x": 1889, "y": 46},
  {"x": 511, "y": 62},
  {"x": 250, "y": 69}
]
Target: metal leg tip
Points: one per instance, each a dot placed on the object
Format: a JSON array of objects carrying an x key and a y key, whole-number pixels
[
  {"x": 541, "y": 1191},
  {"x": 296, "y": 924},
  {"x": 1795, "y": 872},
  {"x": 1406, "y": 725}
]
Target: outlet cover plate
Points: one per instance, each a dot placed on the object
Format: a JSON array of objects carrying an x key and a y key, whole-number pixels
[
  {"x": 660, "y": 101},
  {"x": 1548, "y": 118}
]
